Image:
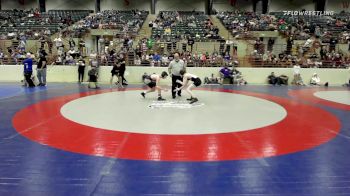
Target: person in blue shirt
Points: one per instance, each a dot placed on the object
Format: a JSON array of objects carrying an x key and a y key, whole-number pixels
[
  {"x": 226, "y": 72},
  {"x": 157, "y": 59},
  {"x": 28, "y": 70}
]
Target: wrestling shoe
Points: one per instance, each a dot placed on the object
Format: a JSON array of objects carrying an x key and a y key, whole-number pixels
[
  {"x": 189, "y": 99},
  {"x": 161, "y": 99},
  {"x": 143, "y": 94},
  {"x": 194, "y": 100}
]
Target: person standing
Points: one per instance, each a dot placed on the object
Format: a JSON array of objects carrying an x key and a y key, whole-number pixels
[
  {"x": 28, "y": 70},
  {"x": 2, "y": 56},
  {"x": 58, "y": 42},
  {"x": 81, "y": 69},
  {"x": 175, "y": 66},
  {"x": 117, "y": 71},
  {"x": 122, "y": 68},
  {"x": 41, "y": 68},
  {"x": 101, "y": 45},
  {"x": 71, "y": 43}
]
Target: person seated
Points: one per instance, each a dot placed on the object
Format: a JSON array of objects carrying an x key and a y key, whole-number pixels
[
  {"x": 226, "y": 72},
  {"x": 69, "y": 60},
  {"x": 137, "y": 61},
  {"x": 238, "y": 78},
  {"x": 211, "y": 80},
  {"x": 297, "y": 79},
  {"x": 157, "y": 59},
  {"x": 315, "y": 80},
  {"x": 273, "y": 79}
]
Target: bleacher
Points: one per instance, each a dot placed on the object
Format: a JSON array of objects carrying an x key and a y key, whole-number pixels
[
  {"x": 189, "y": 24},
  {"x": 123, "y": 21},
  {"x": 29, "y": 24},
  {"x": 75, "y": 15},
  {"x": 334, "y": 25}
]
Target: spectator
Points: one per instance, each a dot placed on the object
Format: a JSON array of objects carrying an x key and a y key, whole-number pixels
[
  {"x": 315, "y": 80},
  {"x": 93, "y": 75},
  {"x": 115, "y": 72},
  {"x": 71, "y": 43},
  {"x": 41, "y": 68},
  {"x": 2, "y": 56},
  {"x": 226, "y": 72},
  {"x": 332, "y": 43},
  {"x": 211, "y": 80},
  {"x": 69, "y": 59},
  {"x": 270, "y": 44},
  {"x": 137, "y": 61},
  {"x": 81, "y": 69},
  {"x": 101, "y": 45},
  {"x": 297, "y": 79},
  {"x": 157, "y": 59},
  {"x": 273, "y": 79},
  {"x": 59, "y": 42},
  {"x": 28, "y": 70},
  {"x": 238, "y": 77}
]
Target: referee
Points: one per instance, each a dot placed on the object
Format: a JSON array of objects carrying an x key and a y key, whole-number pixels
[{"x": 175, "y": 66}]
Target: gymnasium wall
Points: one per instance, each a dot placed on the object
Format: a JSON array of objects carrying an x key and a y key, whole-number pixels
[
  {"x": 170, "y": 5},
  {"x": 70, "y": 5},
  {"x": 183, "y": 5},
  {"x": 291, "y": 5},
  {"x": 126, "y": 5},
  {"x": 224, "y": 5},
  {"x": 133, "y": 74},
  {"x": 338, "y": 5},
  {"x": 14, "y": 4}
]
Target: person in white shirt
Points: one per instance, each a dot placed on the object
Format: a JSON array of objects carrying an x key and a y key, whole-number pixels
[
  {"x": 188, "y": 82},
  {"x": 71, "y": 52},
  {"x": 58, "y": 42},
  {"x": 137, "y": 60},
  {"x": 165, "y": 61},
  {"x": 101, "y": 44},
  {"x": 2, "y": 56},
  {"x": 297, "y": 80},
  {"x": 174, "y": 68},
  {"x": 315, "y": 80}
]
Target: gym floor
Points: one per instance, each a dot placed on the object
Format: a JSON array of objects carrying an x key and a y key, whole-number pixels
[{"x": 66, "y": 139}]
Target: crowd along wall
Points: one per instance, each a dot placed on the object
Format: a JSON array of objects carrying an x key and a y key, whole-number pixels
[{"x": 13, "y": 73}]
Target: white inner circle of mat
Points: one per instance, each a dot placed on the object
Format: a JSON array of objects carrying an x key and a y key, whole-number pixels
[
  {"x": 342, "y": 97},
  {"x": 127, "y": 111}
]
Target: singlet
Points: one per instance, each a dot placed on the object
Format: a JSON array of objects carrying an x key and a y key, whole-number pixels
[
  {"x": 193, "y": 77},
  {"x": 149, "y": 77}
]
